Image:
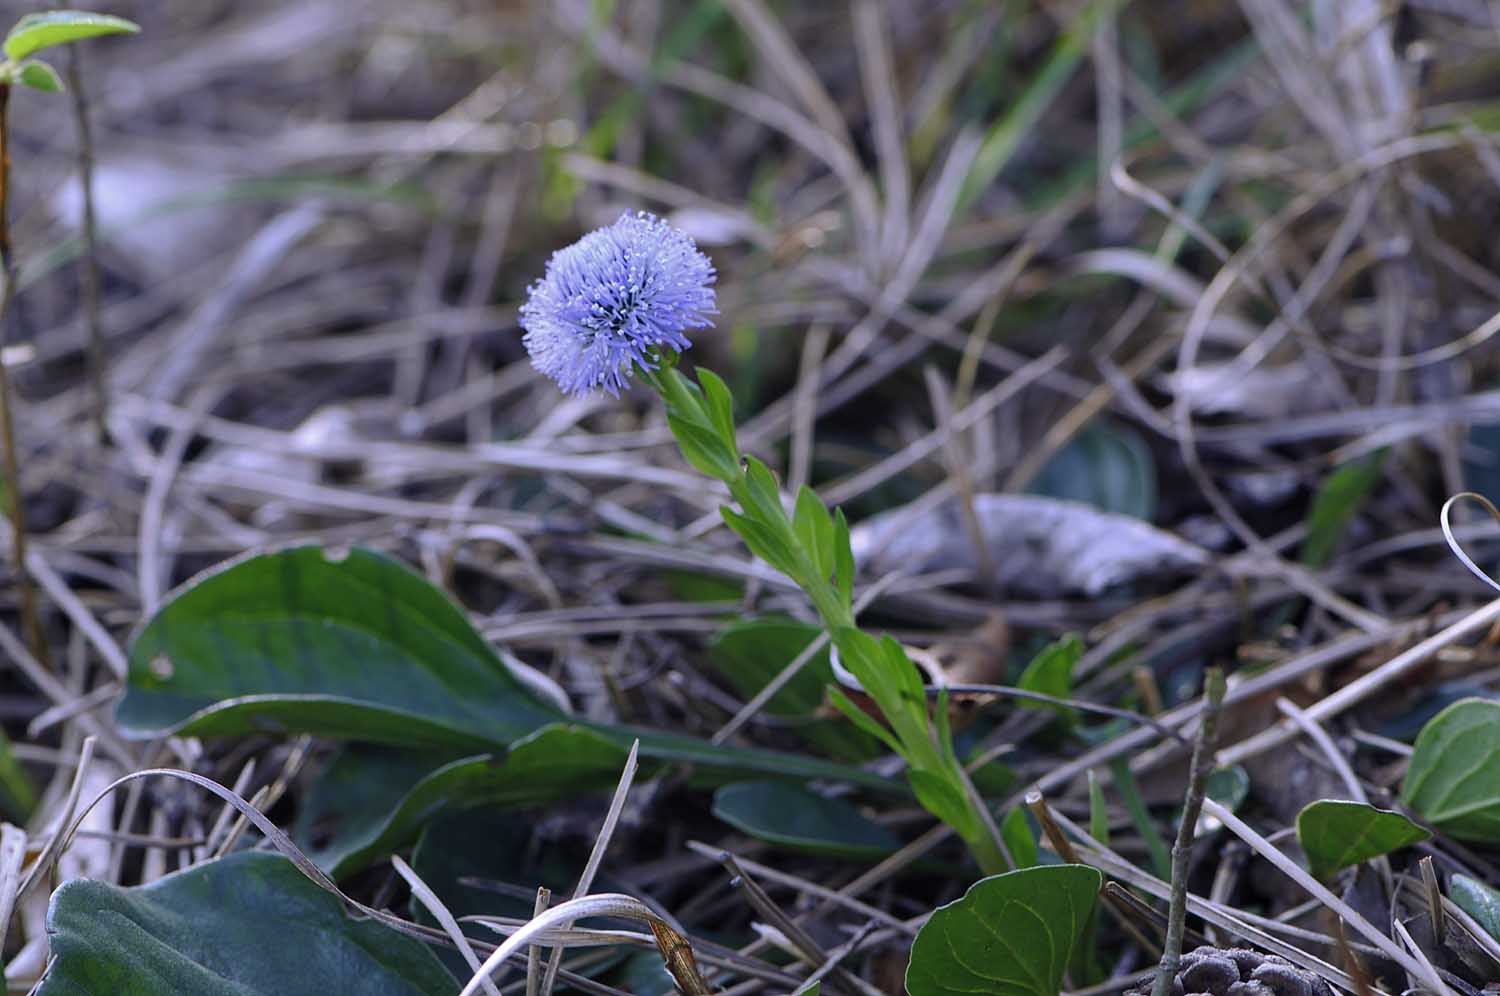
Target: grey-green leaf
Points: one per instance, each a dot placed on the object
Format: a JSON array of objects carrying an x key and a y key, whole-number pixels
[
  {"x": 794, "y": 817},
  {"x": 1337, "y": 834},
  {"x": 1009, "y": 935},
  {"x": 280, "y": 934},
  {"x": 1453, "y": 779},
  {"x": 35, "y": 32},
  {"x": 1478, "y": 900}
]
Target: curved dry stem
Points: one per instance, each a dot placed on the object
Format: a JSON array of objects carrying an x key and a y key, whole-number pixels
[{"x": 1444, "y": 517}]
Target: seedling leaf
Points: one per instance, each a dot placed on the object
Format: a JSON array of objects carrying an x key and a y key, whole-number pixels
[
  {"x": 40, "y": 76},
  {"x": 35, "y": 32}
]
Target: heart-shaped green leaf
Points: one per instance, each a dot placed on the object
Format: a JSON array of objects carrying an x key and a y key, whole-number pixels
[
  {"x": 1009, "y": 935},
  {"x": 35, "y": 32},
  {"x": 1336, "y": 833},
  {"x": 249, "y": 924},
  {"x": 361, "y": 648},
  {"x": 1453, "y": 780},
  {"x": 1478, "y": 900},
  {"x": 790, "y": 815}
]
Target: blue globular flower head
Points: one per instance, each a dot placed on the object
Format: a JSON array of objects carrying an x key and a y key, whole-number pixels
[{"x": 616, "y": 298}]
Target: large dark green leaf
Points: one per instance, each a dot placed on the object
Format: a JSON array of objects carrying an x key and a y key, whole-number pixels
[
  {"x": 1336, "y": 833},
  {"x": 249, "y": 924},
  {"x": 1009, "y": 935},
  {"x": 360, "y": 648},
  {"x": 1453, "y": 780},
  {"x": 556, "y": 762},
  {"x": 792, "y": 816}
]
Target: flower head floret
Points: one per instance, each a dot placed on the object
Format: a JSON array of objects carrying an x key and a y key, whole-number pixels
[{"x": 616, "y": 298}]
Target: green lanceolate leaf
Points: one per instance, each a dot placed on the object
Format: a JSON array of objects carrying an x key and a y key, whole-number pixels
[
  {"x": 361, "y": 648},
  {"x": 1337, "y": 502},
  {"x": 249, "y": 924},
  {"x": 703, "y": 450},
  {"x": 794, "y": 817},
  {"x": 945, "y": 800},
  {"x": 1336, "y": 834},
  {"x": 863, "y": 720},
  {"x": 1098, "y": 810},
  {"x": 843, "y": 558},
  {"x": 720, "y": 406},
  {"x": 764, "y": 494},
  {"x": 1051, "y": 673},
  {"x": 17, "y": 794},
  {"x": 887, "y": 676},
  {"x": 1019, "y": 840},
  {"x": 1453, "y": 780},
  {"x": 1478, "y": 900},
  {"x": 1140, "y": 815},
  {"x": 814, "y": 528},
  {"x": 766, "y": 543},
  {"x": 1010, "y": 935},
  {"x": 35, "y": 32}
]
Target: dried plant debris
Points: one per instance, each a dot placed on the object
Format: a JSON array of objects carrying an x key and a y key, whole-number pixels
[{"x": 1041, "y": 547}]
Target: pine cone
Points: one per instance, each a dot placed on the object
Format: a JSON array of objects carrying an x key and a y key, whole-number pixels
[{"x": 1212, "y": 971}]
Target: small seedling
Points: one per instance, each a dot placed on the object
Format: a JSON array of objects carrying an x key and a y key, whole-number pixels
[
  {"x": 35, "y": 32},
  {"x": 31, "y": 34}
]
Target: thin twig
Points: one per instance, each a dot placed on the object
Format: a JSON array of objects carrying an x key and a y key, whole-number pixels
[{"x": 1203, "y": 753}]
